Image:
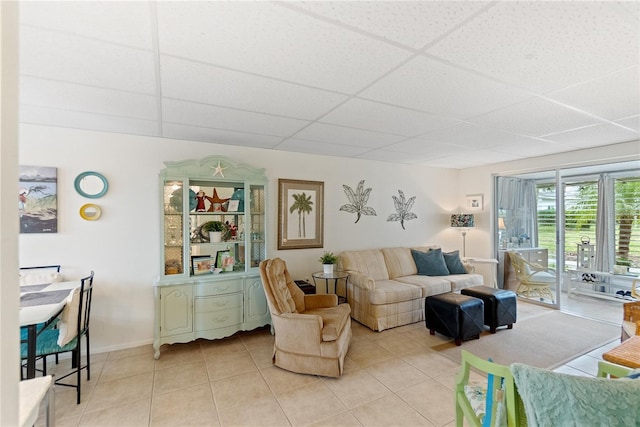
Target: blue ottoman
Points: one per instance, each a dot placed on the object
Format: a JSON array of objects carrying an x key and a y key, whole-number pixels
[
  {"x": 460, "y": 317},
  {"x": 499, "y": 306}
]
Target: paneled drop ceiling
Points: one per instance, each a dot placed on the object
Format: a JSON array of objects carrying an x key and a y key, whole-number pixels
[{"x": 442, "y": 84}]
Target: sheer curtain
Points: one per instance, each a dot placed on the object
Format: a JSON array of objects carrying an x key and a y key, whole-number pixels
[
  {"x": 605, "y": 224},
  {"x": 519, "y": 200}
]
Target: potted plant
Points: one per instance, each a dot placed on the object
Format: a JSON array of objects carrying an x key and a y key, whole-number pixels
[
  {"x": 328, "y": 259},
  {"x": 215, "y": 229}
]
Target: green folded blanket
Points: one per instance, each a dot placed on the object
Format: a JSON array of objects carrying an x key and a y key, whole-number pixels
[{"x": 555, "y": 399}]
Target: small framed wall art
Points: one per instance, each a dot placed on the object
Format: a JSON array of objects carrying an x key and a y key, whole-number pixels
[{"x": 474, "y": 202}]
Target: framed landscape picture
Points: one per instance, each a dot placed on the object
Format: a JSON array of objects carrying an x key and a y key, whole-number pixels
[
  {"x": 38, "y": 199},
  {"x": 300, "y": 214}
]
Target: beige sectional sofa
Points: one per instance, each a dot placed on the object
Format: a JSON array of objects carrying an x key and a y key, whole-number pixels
[{"x": 384, "y": 289}]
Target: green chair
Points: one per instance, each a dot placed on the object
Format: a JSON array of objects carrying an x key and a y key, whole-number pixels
[
  {"x": 611, "y": 370},
  {"x": 506, "y": 407}
]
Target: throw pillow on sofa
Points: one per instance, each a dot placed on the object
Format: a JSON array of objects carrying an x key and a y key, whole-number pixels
[
  {"x": 454, "y": 263},
  {"x": 430, "y": 263}
]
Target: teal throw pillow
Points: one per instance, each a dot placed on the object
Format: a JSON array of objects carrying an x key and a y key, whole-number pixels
[
  {"x": 430, "y": 263},
  {"x": 454, "y": 264}
]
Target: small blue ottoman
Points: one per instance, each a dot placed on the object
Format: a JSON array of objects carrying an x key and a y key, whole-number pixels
[
  {"x": 460, "y": 317},
  {"x": 499, "y": 306}
]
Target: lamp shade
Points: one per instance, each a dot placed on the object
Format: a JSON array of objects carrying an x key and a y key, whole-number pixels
[
  {"x": 462, "y": 220},
  {"x": 501, "y": 225}
]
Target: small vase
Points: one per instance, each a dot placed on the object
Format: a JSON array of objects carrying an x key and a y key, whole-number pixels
[
  {"x": 215, "y": 236},
  {"x": 328, "y": 268}
]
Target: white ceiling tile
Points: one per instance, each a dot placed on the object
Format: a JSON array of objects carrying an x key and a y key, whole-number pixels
[
  {"x": 273, "y": 41},
  {"x": 451, "y": 162},
  {"x": 630, "y": 122},
  {"x": 189, "y": 113},
  {"x": 393, "y": 156},
  {"x": 122, "y": 22},
  {"x": 362, "y": 114},
  {"x": 410, "y": 23},
  {"x": 100, "y": 122},
  {"x": 423, "y": 147},
  {"x": 203, "y": 134},
  {"x": 470, "y": 158},
  {"x": 322, "y": 132},
  {"x": 324, "y": 148},
  {"x": 535, "y": 117},
  {"x": 434, "y": 87},
  {"x": 592, "y": 136},
  {"x": 470, "y": 135},
  {"x": 612, "y": 97},
  {"x": 191, "y": 81},
  {"x": 631, "y": 10},
  {"x": 544, "y": 46},
  {"x": 529, "y": 147},
  {"x": 62, "y": 57},
  {"x": 67, "y": 96}
]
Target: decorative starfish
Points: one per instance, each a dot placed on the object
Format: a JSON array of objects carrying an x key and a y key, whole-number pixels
[
  {"x": 216, "y": 200},
  {"x": 218, "y": 170}
]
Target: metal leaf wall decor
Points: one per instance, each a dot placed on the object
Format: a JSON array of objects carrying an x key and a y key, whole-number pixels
[
  {"x": 403, "y": 209},
  {"x": 358, "y": 201}
]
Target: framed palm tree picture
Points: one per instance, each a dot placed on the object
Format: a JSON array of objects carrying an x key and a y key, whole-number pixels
[{"x": 300, "y": 214}]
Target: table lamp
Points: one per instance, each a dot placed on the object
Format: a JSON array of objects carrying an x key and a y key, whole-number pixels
[
  {"x": 464, "y": 222},
  {"x": 501, "y": 228}
]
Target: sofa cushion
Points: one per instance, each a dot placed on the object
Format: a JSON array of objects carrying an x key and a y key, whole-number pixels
[
  {"x": 390, "y": 291},
  {"x": 429, "y": 285},
  {"x": 430, "y": 263},
  {"x": 369, "y": 262},
  {"x": 454, "y": 263},
  {"x": 461, "y": 281},
  {"x": 399, "y": 262}
]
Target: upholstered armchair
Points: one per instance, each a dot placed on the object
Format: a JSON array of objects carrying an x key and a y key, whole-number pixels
[{"x": 312, "y": 332}]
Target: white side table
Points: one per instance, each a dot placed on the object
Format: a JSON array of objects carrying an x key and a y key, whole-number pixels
[{"x": 488, "y": 265}]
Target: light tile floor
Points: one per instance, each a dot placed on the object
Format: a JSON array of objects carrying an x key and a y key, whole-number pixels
[{"x": 390, "y": 378}]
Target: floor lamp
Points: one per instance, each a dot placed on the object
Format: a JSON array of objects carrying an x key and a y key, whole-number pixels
[{"x": 463, "y": 222}]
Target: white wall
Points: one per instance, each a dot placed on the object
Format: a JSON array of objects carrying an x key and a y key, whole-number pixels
[{"x": 123, "y": 245}]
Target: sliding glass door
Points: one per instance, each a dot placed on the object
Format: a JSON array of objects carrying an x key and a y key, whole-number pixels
[
  {"x": 571, "y": 232},
  {"x": 527, "y": 208}
]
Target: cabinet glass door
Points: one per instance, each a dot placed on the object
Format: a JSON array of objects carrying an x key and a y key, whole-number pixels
[
  {"x": 173, "y": 227},
  {"x": 258, "y": 249},
  {"x": 216, "y": 225}
]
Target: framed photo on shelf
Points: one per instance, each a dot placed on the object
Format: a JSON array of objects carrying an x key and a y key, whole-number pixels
[
  {"x": 300, "y": 214},
  {"x": 220, "y": 257},
  {"x": 201, "y": 264},
  {"x": 474, "y": 202},
  {"x": 233, "y": 205}
]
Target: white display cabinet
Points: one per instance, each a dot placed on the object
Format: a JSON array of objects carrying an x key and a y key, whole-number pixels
[{"x": 207, "y": 288}]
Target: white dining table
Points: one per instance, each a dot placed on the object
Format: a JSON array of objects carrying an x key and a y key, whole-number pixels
[{"x": 41, "y": 304}]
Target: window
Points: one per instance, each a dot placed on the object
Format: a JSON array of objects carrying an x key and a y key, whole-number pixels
[{"x": 627, "y": 234}]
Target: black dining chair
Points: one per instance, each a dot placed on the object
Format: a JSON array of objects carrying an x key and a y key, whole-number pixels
[{"x": 72, "y": 326}]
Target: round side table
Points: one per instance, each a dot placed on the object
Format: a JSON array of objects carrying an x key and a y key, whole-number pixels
[{"x": 335, "y": 276}]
